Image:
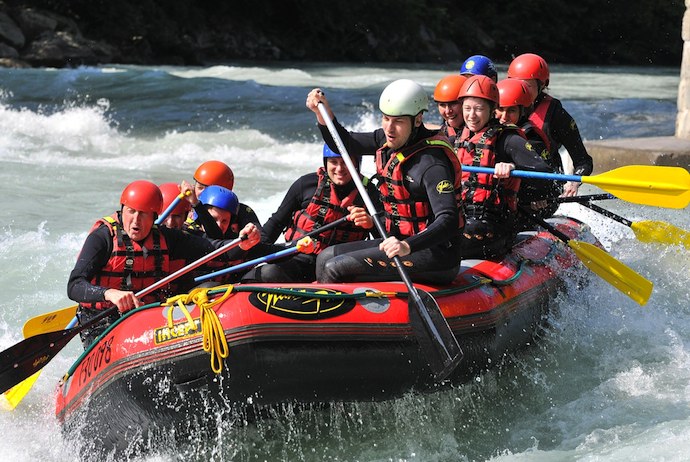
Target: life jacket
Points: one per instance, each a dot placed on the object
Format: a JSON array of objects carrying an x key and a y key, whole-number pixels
[
  {"x": 404, "y": 216},
  {"x": 130, "y": 267},
  {"x": 540, "y": 119},
  {"x": 326, "y": 207},
  {"x": 482, "y": 193}
]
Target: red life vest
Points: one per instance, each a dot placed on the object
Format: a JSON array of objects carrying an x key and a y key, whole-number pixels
[
  {"x": 326, "y": 207},
  {"x": 540, "y": 120},
  {"x": 482, "y": 192},
  {"x": 405, "y": 217},
  {"x": 130, "y": 267}
]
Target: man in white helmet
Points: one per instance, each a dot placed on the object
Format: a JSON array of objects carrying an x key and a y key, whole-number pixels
[{"x": 419, "y": 185}]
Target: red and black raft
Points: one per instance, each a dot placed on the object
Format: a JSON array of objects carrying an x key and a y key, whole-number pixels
[{"x": 149, "y": 374}]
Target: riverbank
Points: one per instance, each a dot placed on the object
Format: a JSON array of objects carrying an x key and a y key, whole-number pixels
[{"x": 659, "y": 150}]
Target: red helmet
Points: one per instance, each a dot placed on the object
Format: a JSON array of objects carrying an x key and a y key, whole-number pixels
[
  {"x": 448, "y": 88},
  {"x": 143, "y": 196},
  {"x": 170, "y": 191},
  {"x": 215, "y": 172},
  {"x": 529, "y": 66},
  {"x": 479, "y": 86},
  {"x": 514, "y": 92}
]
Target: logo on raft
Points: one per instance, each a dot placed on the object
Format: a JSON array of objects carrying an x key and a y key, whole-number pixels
[
  {"x": 177, "y": 331},
  {"x": 302, "y": 306}
]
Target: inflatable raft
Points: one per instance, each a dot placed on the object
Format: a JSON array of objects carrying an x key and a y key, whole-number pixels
[{"x": 162, "y": 367}]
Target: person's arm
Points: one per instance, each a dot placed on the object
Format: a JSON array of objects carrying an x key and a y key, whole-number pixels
[
  {"x": 93, "y": 256},
  {"x": 297, "y": 198},
  {"x": 565, "y": 131},
  {"x": 209, "y": 224},
  {"x": 444, "y": 209},
  {"x": 524, "y": 154}
]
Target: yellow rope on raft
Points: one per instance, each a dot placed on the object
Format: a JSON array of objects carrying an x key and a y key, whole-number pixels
[{"x": 214, "y": 341}]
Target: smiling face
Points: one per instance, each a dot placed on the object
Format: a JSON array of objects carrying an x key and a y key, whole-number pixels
[
  {"x": 508, "y": 115},
  {"x": 137, "y": 224},
  {"x": 337, "y": 171},
  {"x": 451, "y": 113},
  {"x": 476, "y": 112}
]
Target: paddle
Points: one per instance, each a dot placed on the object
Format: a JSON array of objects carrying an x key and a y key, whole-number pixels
[
  {"x": 21, "y": 361},
  {"x": 652, "y": 231},
  {"x": 604, "y": 265},
  {"x": 641, "y": 184},
  {"x": 585, "y": 198},
  {"x": 435, "y": 338},
  {"x": 304, "y": 247},
  {"x": 161, "y": 218}
]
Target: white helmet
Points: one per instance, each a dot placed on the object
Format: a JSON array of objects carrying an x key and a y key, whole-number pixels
[{"x": 403, "y": 98}]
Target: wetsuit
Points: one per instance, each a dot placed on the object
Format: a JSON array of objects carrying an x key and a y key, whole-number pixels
[
  {"x": 433, "y": 257},
  {"x": 299, "y": 267}
]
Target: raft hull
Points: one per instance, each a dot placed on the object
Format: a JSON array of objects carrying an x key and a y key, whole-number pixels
[{"x": 143, "y": 378}]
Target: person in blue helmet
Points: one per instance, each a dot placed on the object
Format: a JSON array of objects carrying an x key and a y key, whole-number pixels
[
  {"x": 314, "y": 200},
  {"x": 215, "y": 210},
  {"x": 479, "y": 65}
]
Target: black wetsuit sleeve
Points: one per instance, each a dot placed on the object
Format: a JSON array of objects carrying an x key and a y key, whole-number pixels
[
  {"x": 356, "y": 143},
  {"x": 189, "y": 247},
  {"x": 564, "y": 130},
  {"x": 205, "y": 219},
  {"x": 523, "y": 153},
  {"x": 93, "y": 256},
  {"x": 297, "y": 198},
  {"x": 434, "y": 171}
]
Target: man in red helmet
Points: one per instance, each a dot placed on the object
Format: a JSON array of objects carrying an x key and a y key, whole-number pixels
[
  {"x": 178, "y": 215},
  {"x": 125, "y": 253}
]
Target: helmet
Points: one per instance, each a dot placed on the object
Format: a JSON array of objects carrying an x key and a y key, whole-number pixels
[
  {"x": 327, "y": 152},
  {"x": 529, "y": 66},
  {"x": 479, "y": 86},
  {"x": 514, "y": 92},
  {"x": 448, "y": 87},
  {"x": 403, "y": 98},
  {"x": 143, "y": 196},
  {"x": 170, "y": 191},
  {"x": 215, "y": 172},
  {"x": 479, "y": 65},
  {"x": 218, "y": 196}
]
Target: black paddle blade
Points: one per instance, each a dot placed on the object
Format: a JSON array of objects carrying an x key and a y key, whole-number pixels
[
  {"x": 22, "y": 360},
  {"x": 436, "y": 340}
]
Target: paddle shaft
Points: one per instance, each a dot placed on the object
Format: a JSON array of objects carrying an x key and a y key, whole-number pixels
[
  {"x": 280, "y": 254},
  {"x": 451, "y": 351},
  {"x": 170, "y": 208},
  {"x": 585, "y": 199},
  {"x": 30, "y": 355}
]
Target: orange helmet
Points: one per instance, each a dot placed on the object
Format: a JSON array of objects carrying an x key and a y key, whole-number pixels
[
  {"x": 143, "y": 196},
  {"x": 448, "y": 88},
  {"x": 529, "y": 66},
  {"x": 170, "y": 191},
  {"x": 215, "y": 172},
  {"x": 514, "y": 92},
  {"x": 479, "y": 86}
]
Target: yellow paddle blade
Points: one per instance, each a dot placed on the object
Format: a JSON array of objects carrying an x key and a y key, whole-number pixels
[
  {"x": 613, "y": 271},
  {"x": 661, "y": 232},
  {"x": 646, "y": 184},
  {"x": 14, "y": 395},
  {"x": 49, "y": 322}
]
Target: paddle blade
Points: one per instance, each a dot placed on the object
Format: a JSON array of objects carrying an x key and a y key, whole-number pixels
[
  {"x": 12, "y": 397},
  {"x": 646, "y": 184},
  {"x": 660, "y": 232},
  {"x": 436, "y": 340},
  {"x": 21, "y": 361},
  {"x": 613, "y": 271},
  {"x": 49, "y": 322}
]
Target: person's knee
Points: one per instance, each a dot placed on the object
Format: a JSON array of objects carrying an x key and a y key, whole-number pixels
[{"x": 329, "y": 272}]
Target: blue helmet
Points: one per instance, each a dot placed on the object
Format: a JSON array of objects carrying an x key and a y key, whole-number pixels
[
  {"x": 220, "y": 197},
  {"x": 327, "y": 152},
  {"x": 479, "y": 65}
]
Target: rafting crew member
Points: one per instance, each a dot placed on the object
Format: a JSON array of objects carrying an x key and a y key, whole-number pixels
[
  {"x": 490, "y": 201},
  {"x": 550, "y": 116},
  {"x": 515, "y": 100},
  {"x": 419, "y": 184},
  {"x": 216, "y": 172},
  {"x": 125, "y": 253},
  {"x": 479, "y": 65},
  {"x": 449, "y": 107},
  {"x": 178, "y": 215},
  {"x": 314, "y": 200}
]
